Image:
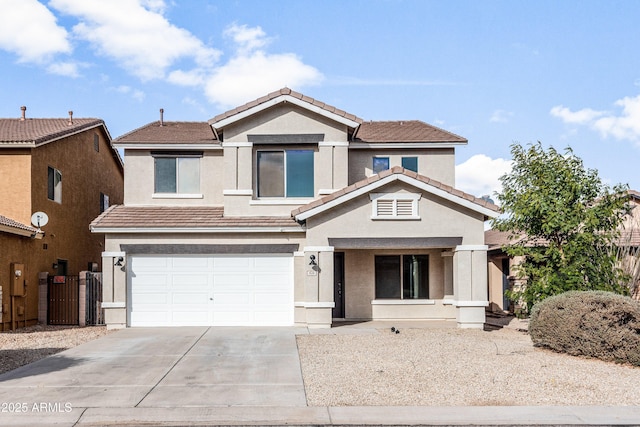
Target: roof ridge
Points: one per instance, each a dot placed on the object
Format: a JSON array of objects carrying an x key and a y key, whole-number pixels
[{"x": 275, "y": 94}]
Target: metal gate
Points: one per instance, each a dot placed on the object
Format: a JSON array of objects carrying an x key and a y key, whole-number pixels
[
  {"x": 63, "y": 300},
  {"x": 94, "y": 310}
]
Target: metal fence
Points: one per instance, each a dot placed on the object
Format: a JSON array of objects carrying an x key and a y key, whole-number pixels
[
  {"x": 63, "y": 293},
  {"x": 94, "y": 311}
]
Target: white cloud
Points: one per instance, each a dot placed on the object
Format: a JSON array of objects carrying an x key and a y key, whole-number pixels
[
  {"x": 247, "y": 39},
  {"x": 626, "y": 125},
  {"x": 128, "y": 90},
  {"x": 480, "y": 174},
  {"x": 136, "y": 35},
  {"x": 252, "y": 72},
  {"x": 29, "y": 29},
  {"x": 580, "y": 117},
  {"x": 68, "y": 69},
  {"x": 500, "y": 116},
  {"x": 622, "y": 126}
]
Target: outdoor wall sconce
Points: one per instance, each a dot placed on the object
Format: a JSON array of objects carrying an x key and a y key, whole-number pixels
[
  {"x": 54, "y": 265},
  {"x": 119, "y": 261},
  {"x": 313, "y": 260}
]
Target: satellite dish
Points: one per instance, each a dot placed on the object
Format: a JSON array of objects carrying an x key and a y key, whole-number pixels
[{"x": 39, "y": 219}]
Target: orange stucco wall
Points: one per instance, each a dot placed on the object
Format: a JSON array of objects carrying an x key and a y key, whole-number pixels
[
  {"x": 15, "y": 203},
  {"x": 85, "y": 174}
]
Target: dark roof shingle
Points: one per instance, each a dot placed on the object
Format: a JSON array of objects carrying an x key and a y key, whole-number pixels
[
  {"x": 154, "y": 217},
  {"x": 38, "y": 131},
  {"x": 403, "y": 131},
  {"x": 170, "y": 133},
  {"x": 8, "y": 222}
]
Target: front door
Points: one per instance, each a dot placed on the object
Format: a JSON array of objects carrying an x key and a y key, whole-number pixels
[{"x": 338, "y": 285}]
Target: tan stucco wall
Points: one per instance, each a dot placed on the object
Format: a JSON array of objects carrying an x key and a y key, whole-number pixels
[
  {"x": 438, "y": 218},
  {"x": 139, "y": 180},
  {"x": 15, "y": 202},
  {"x": 359, "y": 286},
  {"x": 285, "y": 119},
  {"x": 436, "y": 163}
]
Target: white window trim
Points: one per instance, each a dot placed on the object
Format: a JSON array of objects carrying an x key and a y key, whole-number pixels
[
  {"x": 176, "y": 196},
  {"x": 413, "y": 197},
  {"x": 403, "y": 302}
]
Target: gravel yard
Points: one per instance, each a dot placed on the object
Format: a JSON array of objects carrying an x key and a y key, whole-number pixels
[
  {"x": 455, "y": 367},
  {"x": 26, "y": 345}
]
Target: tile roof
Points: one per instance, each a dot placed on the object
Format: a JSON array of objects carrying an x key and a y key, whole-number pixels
[
  {"x": 155, "y": 217},
  {"x": 395, "y": 170},
  {"x": 8, "y": 222},
  {"x": 31, "y": 132},
  {"x": 403, "y": 131},
  {"x": 170, "y": 133},
  {"x": 284, "y": 91},
  {"x": 495, "y": 239}
]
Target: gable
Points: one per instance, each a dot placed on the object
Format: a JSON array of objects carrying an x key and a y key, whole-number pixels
[
  {"x": 412, "y": 179},
  {"x": 421, "y": 214},
  {"x": 282, "y": 120}
]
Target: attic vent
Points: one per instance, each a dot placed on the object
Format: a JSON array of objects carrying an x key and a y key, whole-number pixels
[{"x": 395, "y": 205}]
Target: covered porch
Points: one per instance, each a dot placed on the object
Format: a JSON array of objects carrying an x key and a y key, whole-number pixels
[{"x": 429, "y": 278}]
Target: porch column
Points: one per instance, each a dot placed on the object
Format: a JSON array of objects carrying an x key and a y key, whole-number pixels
[
  {"x": 114, "y": 289},
  {"x": 318, "y": 286},
  {"x": 470, "y": 285}
]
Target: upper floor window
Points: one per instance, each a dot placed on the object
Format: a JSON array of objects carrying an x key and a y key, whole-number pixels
[
  {"x": 54, "y": 185},
  {"x": 410, "y": 163},
  {"x": 380, "y": 164},
  {"x": 177, "y": 174},
  {"x": 104, "y": 202},
  {"x": 285, "y": 173}
]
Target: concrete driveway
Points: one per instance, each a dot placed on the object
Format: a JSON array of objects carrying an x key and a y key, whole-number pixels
[
  {"x": 221, "y": 376},
  {"x": 162, "y": 368}
]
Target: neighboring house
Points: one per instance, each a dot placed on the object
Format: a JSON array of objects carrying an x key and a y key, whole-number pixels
[
  {"x": 67, "y": 169},
  {"x": 289, "y": 211},
  {"x": 502, "y": 267}
]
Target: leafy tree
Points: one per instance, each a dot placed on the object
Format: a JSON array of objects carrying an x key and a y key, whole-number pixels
[{"x": 563, "y": 221}]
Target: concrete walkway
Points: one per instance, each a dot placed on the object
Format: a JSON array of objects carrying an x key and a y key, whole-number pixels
[{"x": 220, "y": 376}]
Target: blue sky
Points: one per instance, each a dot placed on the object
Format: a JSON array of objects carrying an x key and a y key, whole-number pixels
[{"x": 566, "y": 73}]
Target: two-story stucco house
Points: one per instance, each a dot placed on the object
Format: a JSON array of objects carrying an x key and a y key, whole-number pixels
[
  {"x": 67, "y": 169},
  {"x": 289, "y": 211}
]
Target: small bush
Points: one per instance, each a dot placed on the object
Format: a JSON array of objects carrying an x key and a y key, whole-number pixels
[{"x": 597, "y": 324}]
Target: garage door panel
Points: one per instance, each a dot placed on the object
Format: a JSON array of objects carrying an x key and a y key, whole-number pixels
[
  {"x": 150, "y": 298},
  {"x": 190, "y": 298},
  {"x": 190, "y": 264},
  {"x": 191, "y": 280},
  {"x": 232, "y": 264},
  {"x": 231, "y": 281},
  {"x": 246, "y": 290},
  {"x": 152, "y": 263},
  {"x": 189, "y": 317},
  {"x": 236, "y": 298}
]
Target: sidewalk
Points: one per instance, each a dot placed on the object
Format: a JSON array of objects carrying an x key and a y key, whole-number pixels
[{"x": 332, "y": 416}]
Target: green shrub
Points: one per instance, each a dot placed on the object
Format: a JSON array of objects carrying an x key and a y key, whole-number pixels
[{"x": 597, "y": 324}]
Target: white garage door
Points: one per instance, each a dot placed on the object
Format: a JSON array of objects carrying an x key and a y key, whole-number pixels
[{"x": 211, "y": 290}]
